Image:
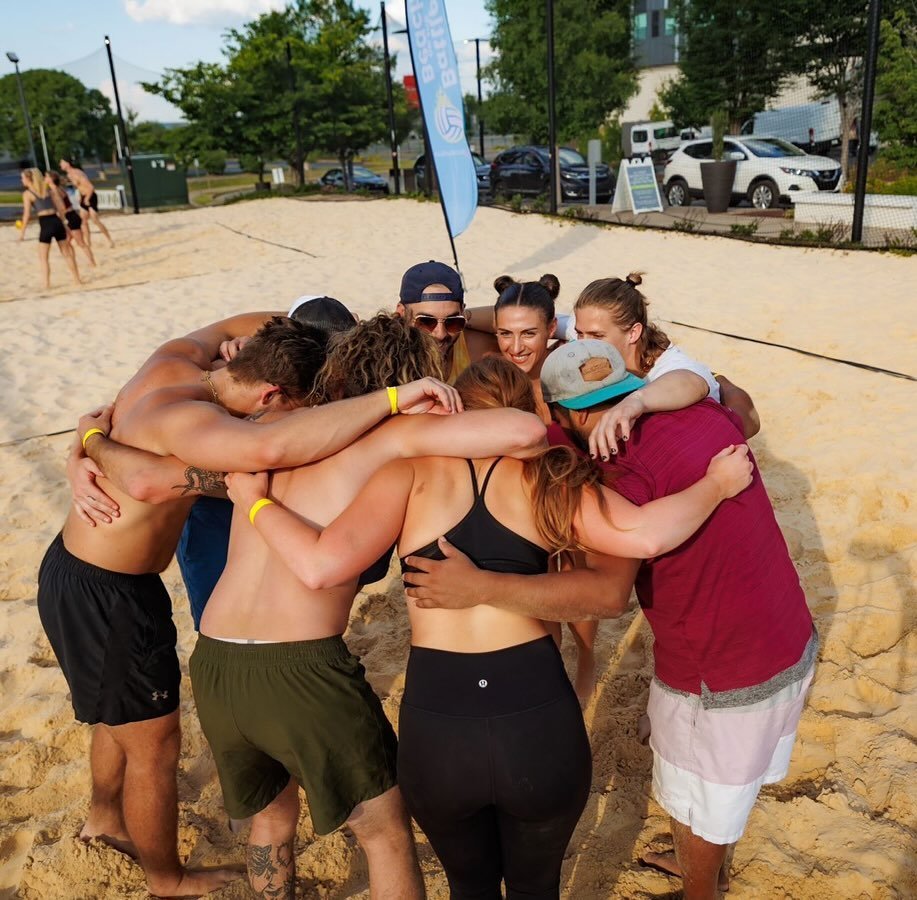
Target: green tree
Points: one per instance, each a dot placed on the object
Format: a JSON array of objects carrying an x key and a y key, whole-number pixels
[
  {"x": 347, "y": 90},
  {"x": 77, "y": 120},
  {"x": 895, "y": 111},
  {"x": 311, "y": 58},
  {"x": 595, "y": 74},
  {"x": 832, "y": 47},
  {"x": 734, "y": 55}
]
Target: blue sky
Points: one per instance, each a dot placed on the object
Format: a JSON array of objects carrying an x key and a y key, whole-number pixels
[{"x": 151, "y": 35}]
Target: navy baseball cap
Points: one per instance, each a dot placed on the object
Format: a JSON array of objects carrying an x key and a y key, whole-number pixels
[
  {"x": 582, "y": 374},
  {"x": 418, "y": 278}
]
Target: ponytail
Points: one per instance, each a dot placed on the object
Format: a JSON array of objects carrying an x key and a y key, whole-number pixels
[
  {"x": 628, "y": 307},
  {"x": 556, "y": 480}
]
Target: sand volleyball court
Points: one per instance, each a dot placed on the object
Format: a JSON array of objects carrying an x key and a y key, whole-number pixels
[{"x": 836, "y": 449}]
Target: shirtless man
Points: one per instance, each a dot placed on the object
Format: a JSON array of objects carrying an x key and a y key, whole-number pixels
[
  {"x": 432, "y": 298},
  {"x": 327, "y": 729},
  {"x": 89, "y": 200},
  {"x": 100, "y": 598}
]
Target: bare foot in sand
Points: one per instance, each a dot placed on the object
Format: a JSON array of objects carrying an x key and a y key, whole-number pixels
[
  {"x": 194, "y": 883},
  {"x": 119, "y": 841},
  {"x": 643, "y": 729},
  {"x": 668, "y": 865}
]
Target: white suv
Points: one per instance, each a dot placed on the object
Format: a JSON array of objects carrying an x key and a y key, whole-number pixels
[{"x": 768, "y": 170}]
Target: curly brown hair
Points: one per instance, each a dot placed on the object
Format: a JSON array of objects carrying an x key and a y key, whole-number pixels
[
  {"x": 383, "y": 351},
  {"x": 284, "y": 353}
]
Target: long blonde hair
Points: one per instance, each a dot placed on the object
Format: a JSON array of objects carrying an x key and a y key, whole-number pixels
[
  {"x": 555, "y": 479},
  {"x": 37, "y": 184}
]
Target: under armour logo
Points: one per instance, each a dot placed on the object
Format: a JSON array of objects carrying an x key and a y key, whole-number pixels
[{"x": 160, "y": 695}]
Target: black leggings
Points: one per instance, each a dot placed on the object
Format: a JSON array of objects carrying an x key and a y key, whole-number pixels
[{"x": 495, "y": 766}]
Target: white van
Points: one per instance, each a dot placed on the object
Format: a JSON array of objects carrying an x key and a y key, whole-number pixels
[
  {"x": 647, "y": 138},
  {"x": 813, "y": 127}
]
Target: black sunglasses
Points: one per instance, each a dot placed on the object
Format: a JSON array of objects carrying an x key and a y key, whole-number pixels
[{"x": 453, "y": 325}]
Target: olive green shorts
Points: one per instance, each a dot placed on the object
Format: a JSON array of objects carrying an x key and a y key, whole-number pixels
[{"x": 302, "y": 709}]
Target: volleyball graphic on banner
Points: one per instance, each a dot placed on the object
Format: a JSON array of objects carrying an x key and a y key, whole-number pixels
[{"x": 449, "y": 120}]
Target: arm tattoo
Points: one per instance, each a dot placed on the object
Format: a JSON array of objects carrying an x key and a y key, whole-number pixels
[{"x": 201, "y": 481}]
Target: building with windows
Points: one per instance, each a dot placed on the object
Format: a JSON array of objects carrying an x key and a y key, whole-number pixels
[{"x": 656, "y": 52}]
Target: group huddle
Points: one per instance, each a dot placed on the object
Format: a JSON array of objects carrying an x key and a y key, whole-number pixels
[{"x": 530, "y": 469}]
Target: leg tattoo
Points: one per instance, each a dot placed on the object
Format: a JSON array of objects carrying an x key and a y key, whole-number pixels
[{"x": 271, "y": 870}]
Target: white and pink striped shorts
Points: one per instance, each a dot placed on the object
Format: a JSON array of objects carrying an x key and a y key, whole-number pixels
[{"x": 709, "y": 764}]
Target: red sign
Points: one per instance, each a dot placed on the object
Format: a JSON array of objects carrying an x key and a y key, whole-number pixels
[{"x": 410, "y": 90}]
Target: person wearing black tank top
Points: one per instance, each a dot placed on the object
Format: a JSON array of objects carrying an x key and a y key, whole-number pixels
[
  {"x": 494, "y": 761},
  {"x": 40, "y": 197},
  {"x": 72, "y": 218}
]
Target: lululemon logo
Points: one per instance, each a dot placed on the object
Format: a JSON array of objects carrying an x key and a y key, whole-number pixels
[{"x": 482, "y": 683}]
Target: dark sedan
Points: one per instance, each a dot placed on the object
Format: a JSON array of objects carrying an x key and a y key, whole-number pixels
[
  {"x": 525, "y": 170},
  {"x": 481, "y": 168},
  {"x": 363, "y": 180}
]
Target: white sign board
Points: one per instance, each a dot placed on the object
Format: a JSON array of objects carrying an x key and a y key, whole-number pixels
[
  {"x": 636, "y": 188},
  {"x": 277, "y": 174}
]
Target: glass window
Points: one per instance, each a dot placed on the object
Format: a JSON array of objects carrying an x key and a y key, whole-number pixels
[
  {"x": 640, "y": 27},
  {"x": 508, "y": 158},
  {"x": 638, "y": 136},
  {"x": 532, "y": 160},
  {"x": 703, "y": 150},
  {"x": 732, "y": 147},
  {"x": 654, "y": 23},
  {"x": 570, "y": 157},
  {"x": 669, "y": 24},
  {"x": 667, "y": 132},
  {"x": 772, "y": 147}
]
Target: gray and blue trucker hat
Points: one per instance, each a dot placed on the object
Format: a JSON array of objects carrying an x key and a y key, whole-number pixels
[{"x": 586, "y": 373}]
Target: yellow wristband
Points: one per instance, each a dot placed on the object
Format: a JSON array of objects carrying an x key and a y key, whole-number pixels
[
  {"x": 393, "y": 398},
  {"x": 257, "y": 506},
  {"x": 90, "y": 433}
]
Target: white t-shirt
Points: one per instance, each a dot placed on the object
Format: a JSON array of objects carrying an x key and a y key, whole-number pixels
[
  {"x": 674, "y": 358},
  {"x": 670, "y": 360}
]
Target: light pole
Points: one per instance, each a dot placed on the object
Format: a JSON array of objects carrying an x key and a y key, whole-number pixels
[
  {"x": 25, "y": 107},
  {"x": 552, "y": 123},
  {"x": 477, "y": 54},
  {"x": 297, "y": 131},
  {"x": 396, "y": 173},
  {"x": 126, "y": 145}
]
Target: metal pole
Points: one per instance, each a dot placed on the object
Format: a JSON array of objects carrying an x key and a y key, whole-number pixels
[
  {"x": 44, "y": 145},
  {"x": 552, "y": 125},
  {"x": 391, "y": 103},
  {"x": 477, "y": 53},
  {"x": 296, "y": 129},
  {"x": 25, "y": 112},
  {"x": 869, "y": 89},
  {"x": 127, "y": 148}
]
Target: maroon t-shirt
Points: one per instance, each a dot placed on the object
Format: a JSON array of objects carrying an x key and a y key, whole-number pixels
[{"x": 726, "y": 607}]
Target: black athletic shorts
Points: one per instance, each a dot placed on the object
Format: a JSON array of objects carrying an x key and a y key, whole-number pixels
[
  {"x": 50, "y": 228},
  {"x": 74, "y": 220},
  {"x": 92, "y": 201},
  {"x": 113, "y": 637}
]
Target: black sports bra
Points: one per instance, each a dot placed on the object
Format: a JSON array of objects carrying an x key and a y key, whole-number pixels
[{"x": 489, "y": 543}]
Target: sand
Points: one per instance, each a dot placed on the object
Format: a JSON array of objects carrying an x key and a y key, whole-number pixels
[{"x": 836, "y": 450}]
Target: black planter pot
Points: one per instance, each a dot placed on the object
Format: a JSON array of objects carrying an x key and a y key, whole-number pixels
[
  {"x": 717, "y": 178},
  {"x": 262, "y": 186}
]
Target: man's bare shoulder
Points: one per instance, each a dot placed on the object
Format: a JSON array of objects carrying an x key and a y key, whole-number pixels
[{"x": 479, "y": 344}]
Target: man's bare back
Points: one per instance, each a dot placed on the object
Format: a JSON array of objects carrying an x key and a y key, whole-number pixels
[
  {"x": 143, "y": 538},
  {"x": 259, "y": 598}
]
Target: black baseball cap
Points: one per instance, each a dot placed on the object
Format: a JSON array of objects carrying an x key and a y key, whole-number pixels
[{"x": 418, "y": 278}]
